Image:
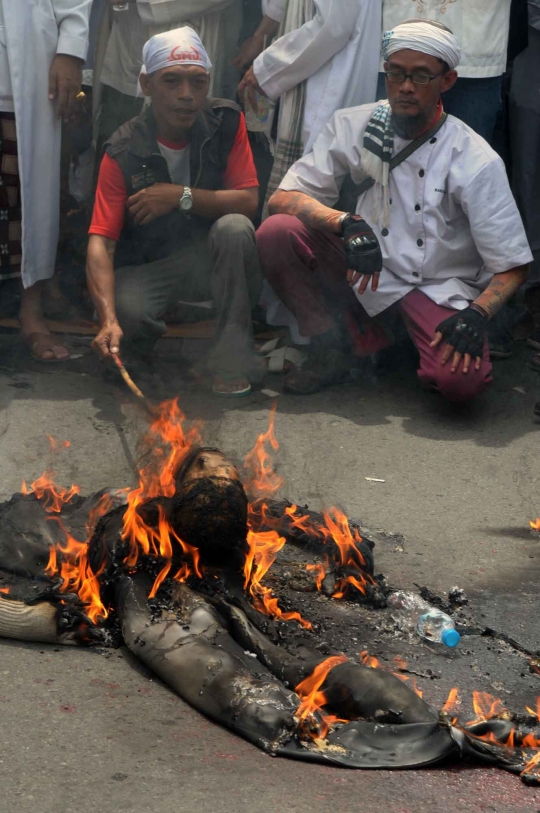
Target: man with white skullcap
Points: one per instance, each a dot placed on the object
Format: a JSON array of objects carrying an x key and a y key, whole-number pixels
[
  {"x": 482, "y": 28},
  {"x": 436, "y": 234},
  {"x": 172, "y": 216}
]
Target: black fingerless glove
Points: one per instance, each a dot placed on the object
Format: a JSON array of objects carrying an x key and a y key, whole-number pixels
[
  {"x": 465, "y": 331},
  {"x": 362, "y": 248}
]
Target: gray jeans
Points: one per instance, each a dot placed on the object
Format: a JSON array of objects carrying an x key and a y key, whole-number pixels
[{"x": 223, "y": 267}]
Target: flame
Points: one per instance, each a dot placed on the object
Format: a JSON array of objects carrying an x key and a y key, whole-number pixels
[
  {"x": 313, "y": 699},
  {"x": 263, "y": 550},
  {"x": 4, "y": 590},
  {"x": 168, "y": 445},
  {"x": 453, "y": 701},
  {"x": 55, "y": 445},
  {"x": 262, "y": 481},
  {"x": 529, "y": 768},
  {"x": 370, "y": 660},
  {"x": 320, "y": 574},
  {"x": 486, "y": 706},
  {"x": 51, "y": 496},
  {"x": 535, "y": 525},
  {"x": 536, "y": 713},
  {"x": 69, "y": 560},
  {"x": 350, "y": 557}
]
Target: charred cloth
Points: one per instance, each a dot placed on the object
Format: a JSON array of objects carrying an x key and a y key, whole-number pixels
[{"x": 256, "y": 612}]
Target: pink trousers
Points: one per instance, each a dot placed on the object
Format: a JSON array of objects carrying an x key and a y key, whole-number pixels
[{"x": 307, "y": 270}]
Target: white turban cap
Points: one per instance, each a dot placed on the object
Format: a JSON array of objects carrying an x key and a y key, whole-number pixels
[
  {"x": 181, "y": 46},
  {"x": 426, "y": 36}
]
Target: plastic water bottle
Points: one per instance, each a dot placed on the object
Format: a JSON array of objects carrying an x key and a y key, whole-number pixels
[{"x": 430, "y": 623}]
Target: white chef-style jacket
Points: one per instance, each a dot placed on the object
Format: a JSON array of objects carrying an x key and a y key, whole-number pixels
[
  {"x": 481, "y": 26},
  {"x": 453, "y": 220},
  {"x": 337, "y": 53},
  {"x": 32, "y": 32}
]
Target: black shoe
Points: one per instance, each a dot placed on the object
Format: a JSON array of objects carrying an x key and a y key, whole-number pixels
[{"x": 320, "y": 373}]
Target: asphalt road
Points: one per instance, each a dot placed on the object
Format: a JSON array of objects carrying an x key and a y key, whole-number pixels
[{"x": 82, "y": 731}]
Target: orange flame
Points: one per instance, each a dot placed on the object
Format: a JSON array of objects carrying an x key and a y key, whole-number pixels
[
  {"x": 4, "y": 590},
  {"x": 76, "y": 574},
  {"x": 320, "y": 574},
  {"x": 313, "y": 699},
  {"x": 453, "y": 701},
  {"x": 535, "y": 525},
  {"x": 370, "y": 660},
  {"x": 533, "y": 712},
  {"x": 263, "y": 550},
  {"x": 486, "y": 706},
  {"x": 262, "y": 481},
  {"x": 51, "y": 496},
  {"x": 350, "y": 557},
  {"x": 168, "y": 445},
  {"x": 529, "y": 768}
]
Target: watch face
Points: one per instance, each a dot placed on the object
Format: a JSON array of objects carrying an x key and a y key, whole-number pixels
[{"x": 186, "y": 203}]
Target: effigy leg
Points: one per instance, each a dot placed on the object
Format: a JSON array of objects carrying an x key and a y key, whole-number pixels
[{"x": 190, "y": 649}]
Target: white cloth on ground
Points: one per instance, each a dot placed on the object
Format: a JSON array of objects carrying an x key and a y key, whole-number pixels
[
  {"x": 53, "y": 27},
  {"x": 424, "y": 36},
  {"x": 481, "y": 26},
  {"x": 453, "y": 224}
]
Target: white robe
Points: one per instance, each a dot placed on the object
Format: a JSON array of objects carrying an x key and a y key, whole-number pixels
[
  {"x": 337, "y": 52},
  {"x": 35, "y": 31}
]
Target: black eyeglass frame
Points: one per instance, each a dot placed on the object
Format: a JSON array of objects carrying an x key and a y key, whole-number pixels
[{"x": 410, "y": 76}]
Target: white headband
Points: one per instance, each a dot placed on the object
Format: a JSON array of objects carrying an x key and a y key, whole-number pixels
[
  {"x": 181, "y": 46},
  {"x": 425, "y": 36}
]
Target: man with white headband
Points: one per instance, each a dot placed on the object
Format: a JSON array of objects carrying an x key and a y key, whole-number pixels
[
  {"x": 436, "y": 235},
  {"x": 172, "y": 218},
  {"x": 482, "y": 28}
]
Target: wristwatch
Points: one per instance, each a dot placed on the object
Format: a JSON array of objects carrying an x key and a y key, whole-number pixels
[{"x": 186, "y": 201}]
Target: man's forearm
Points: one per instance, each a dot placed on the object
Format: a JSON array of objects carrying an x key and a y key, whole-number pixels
[
  {"x": 312, "y": 213},
  {"x": 501, "y": 288},
  {"x": 214, "y": 205},
  {"x": 100, "y": 277}
]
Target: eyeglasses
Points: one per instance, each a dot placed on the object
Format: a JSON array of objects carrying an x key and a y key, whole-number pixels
[{"x": 399, "y": 77}]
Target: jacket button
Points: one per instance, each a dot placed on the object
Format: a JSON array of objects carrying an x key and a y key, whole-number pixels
[
  {"x": 420, "y": 242},
  {"x": 384, "y": 232},
  {"x": 417, "y": 207},
  {"x": 415, "y": 274},
  {"x": 433, "y": 140},
  {"x": 421, "y": 173}
]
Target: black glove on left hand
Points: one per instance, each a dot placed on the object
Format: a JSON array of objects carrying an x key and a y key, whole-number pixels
[
  {"x": 361, "y": 246},
  {"x": 465, "y": 331}
]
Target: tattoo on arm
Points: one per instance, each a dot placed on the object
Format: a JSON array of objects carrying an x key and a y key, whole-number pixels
[
  {"x": 501, "y": 288},
  {"x": 312, "y": 213}
]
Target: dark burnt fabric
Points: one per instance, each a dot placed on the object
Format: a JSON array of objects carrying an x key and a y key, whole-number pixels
[{"x": 10, "y": 200}]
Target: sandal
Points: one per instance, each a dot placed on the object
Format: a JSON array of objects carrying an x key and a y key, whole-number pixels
[
  {"x": 229, "y": 378},
  {"x": 40, "y": 343}
]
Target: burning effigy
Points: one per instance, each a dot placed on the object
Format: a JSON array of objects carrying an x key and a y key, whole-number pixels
[{"x": 178, "y": 568}]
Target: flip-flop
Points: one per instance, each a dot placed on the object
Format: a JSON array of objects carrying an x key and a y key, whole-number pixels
[
  {"x": 38, "y": 343},
  {"x": 231, "y": 377}
]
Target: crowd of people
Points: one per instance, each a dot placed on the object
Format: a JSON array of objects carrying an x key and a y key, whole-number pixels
[{"x": 339, "y": 163}]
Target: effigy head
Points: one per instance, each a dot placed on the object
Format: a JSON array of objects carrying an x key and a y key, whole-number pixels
[{"x": 209, "y": 509}]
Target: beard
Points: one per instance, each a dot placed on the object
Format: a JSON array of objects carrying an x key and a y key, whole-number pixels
[{"x": 409, "y": 127}]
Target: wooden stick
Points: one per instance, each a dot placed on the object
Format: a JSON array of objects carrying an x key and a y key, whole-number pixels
[{"x": 129, "y": 381}]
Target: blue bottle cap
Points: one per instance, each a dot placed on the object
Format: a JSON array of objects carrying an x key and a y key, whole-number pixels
[{"x": 451, "y": 638}]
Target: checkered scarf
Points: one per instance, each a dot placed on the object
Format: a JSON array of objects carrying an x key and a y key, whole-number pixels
[
  {"x": 289, "y": 145},
  {"x": 376, "y": 155}
]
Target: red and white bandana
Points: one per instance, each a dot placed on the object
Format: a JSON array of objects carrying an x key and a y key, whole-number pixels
[{"x": 181, "y": 46}]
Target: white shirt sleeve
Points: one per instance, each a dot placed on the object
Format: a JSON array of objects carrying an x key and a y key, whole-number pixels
[
  {"x": 72, "y": 18},
  {"x": 165, "y": 12},
  {"x": 321, "y": 172},
  {"x": 496, "y": 225},
  {"x": 274, "y": 9},
  {"x": 299, "y": 54}
]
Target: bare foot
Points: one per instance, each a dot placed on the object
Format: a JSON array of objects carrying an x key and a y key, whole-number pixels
[{"x": 35, "y": 334}]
